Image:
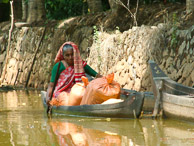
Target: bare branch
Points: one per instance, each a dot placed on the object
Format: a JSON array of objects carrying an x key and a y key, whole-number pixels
[{"x": 127, "y": 7}]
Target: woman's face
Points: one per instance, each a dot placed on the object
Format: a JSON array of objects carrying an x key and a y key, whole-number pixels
[{"x": 68, "y": 56}]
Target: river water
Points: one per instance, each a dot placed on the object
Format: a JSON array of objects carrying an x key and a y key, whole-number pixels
[{"x": 23, "y": 122}]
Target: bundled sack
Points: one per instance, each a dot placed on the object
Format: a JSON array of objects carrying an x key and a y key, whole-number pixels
[
  {"x": 61, "y": 99},
  {"x": 100, "y": 90},
  {"x": 77, "y": 92},
  {"x": 74, "y": 97},
  {"x": 111, "y": 101}
]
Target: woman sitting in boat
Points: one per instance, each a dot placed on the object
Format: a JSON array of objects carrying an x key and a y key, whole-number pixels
[{"x": 70, "y": 71}]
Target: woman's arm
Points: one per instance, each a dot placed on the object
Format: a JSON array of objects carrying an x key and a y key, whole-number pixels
[
  {"x": 49, "y": 91},
  {"x": 51, "y": 84},
  {"x": 91, "y": 72},
  {"x": 54, "y": 71}
]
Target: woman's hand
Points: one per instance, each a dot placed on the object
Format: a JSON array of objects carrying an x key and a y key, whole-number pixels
[
  {"x": 98, "y": 76},
  {"x": 47, "y": 101},
  {"x": 124, "y": 92},
  {"x": 48, "y": 94}
]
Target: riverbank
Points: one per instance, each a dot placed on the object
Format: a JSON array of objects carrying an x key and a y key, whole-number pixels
[{"x": 122, "y": 49}]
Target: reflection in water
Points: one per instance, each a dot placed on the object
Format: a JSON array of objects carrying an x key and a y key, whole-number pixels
[
  {"x": 144, "y": 132},
  {"x": 168, "y": 132},
  {"x": 72, "y": 134},
  {"x": 23, "y": 122},
  {"x": 19, "y": 100},
  {"x": 20, "y": 115}
]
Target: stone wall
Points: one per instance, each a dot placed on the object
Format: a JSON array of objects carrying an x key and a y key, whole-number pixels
[
  {"x": 126, "y": 54},
  {"x": 24, "y": 44}
]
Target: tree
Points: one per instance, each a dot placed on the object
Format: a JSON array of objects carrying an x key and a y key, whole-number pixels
[
  {"x": 36, "y": 11},
  {"x": 24, "y": 10},
  {"x": 114, "y": 6},
  {"x": 94, "y": 5},
  {"x": 17, "y": 8},
  {"x": 189, "y": 6},
  {"x": 41, "y": 12}
]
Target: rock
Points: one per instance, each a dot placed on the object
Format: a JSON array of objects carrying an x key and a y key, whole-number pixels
[
  {"x": 21, "y": 24},
  {"x": 169, "y": 62},
  {"x": 187, "y": 82},
  {"x": 130, "y": 84},
  {"x": 2, "y": 57},
  {"x": 165, "y": 53},
  {"x": 192, "y": 76},
  {"x": 182, "y": 47},
  {"x": 137, "y": 85},
  {"x": 130, "y": 60},
  {"x": 187, "y": 70},
  {"x": 178, "y": 63}
]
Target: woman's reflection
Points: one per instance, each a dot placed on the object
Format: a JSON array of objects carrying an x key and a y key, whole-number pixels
[{"x": 72, "y": 134}]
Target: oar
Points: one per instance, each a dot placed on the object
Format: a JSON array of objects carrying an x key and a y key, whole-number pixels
[{"x": 49, "y": 108}]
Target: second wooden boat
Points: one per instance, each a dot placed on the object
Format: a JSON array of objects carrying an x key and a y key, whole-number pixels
[{"x": 175, "y": 100}]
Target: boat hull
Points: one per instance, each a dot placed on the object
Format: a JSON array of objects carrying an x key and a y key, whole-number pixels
[
  {"x": 131, "y": 107},
  {"x": 178, "y": 106},
  {"x": 174, "y": 99}
]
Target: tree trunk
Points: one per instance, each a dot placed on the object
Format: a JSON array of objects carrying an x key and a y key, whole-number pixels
[
  {"x": 32, "y": 8},
  {"x": 17, "y": 8},
  {"x": 41, "y": 12},
  {"x": 189, "y": 6},
  {"x": 113, "y": 6},
  {"x": 116, "y": 7},
  {"x": 94, "y": 5},
  {"x": 36, "y": 11},
  {"x": 24, "y": 10}
]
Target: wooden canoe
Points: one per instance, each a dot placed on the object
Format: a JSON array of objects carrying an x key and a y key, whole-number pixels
[
  {"x": 174, "y": 99},
  {"x": 131, "y": 107}
]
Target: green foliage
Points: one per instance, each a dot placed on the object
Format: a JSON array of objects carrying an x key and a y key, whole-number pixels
[
  {"x": 26, "y": 1},
  {"x": 46, "y": 37},
  {"x": 61, "y": 9},
  {"x": 4, "y": 1},
  {"x": 4, "y": 10},
  {"x": 117, "y": 28},
  {"x": 95, "y": 36}
]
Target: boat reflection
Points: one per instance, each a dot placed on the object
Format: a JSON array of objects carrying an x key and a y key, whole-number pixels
[
  {"x": 24, "y": 122},
  {"x": 145, "y": 132},
  {"x": 77, "y": 135},
  {"x": 96, "y": 132},
  {"x": 167, "y": 132}
]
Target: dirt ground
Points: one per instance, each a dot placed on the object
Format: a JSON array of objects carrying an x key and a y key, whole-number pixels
[{"x": 151, "y": 14}]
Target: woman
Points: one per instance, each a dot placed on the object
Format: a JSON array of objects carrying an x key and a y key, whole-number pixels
[{"x": 72, "y": 68}]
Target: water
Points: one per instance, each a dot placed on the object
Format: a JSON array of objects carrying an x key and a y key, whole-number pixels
[{"x": 23, "y": 122}]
